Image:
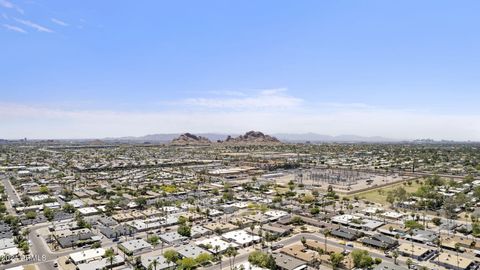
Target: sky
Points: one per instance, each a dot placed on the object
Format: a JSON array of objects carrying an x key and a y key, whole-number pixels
[{"x": 94, "y": 69}]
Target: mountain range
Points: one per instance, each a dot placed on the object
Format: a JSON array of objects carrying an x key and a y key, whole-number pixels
[{"x": 285, "y": 137}]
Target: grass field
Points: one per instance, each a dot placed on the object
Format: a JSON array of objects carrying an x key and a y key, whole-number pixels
[{"x": 379, "y": 195}]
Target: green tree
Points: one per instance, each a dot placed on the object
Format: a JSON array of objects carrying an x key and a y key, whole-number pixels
[
  {"x": 184, "y": 230},
  {"x": 154, "y": 240},
  {"x": 336, "y": 259},
  {"x": 186, "y": 263},
  {"x": 110, "y": 255},
  {"x": 48, "y": 213},
  {"x": 361, "y": 258},
  {"x": 171, "y": 256},
  {"x": 262, "y": 259},
  {"x": 203, "y": 258},
  {"x": 31, "y": 214},
  {"x": 231, "y": 253}
]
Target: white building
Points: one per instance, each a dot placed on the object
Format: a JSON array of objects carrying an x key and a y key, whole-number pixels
[
  {"x": 241, "y": 237},
  {"x": 86, "y": 256},
  {"x": 213, "y": 242}
]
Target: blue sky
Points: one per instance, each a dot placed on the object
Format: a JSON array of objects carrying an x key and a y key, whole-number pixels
[{"x": 399, "y": 69}]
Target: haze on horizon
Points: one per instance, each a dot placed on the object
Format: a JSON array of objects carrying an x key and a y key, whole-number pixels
[{"x": 95, "y": 69}]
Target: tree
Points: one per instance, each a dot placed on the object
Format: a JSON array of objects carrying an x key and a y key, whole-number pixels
[
  {"x": 314, "y": 211},
  {"x": 141, "y": 202},
  {"x": 48, "y": 213},
  {"x": 395, "y": 256},
  {"x": 182, "y": 220},
  {"x": 437, "y": 221},
  {"x": 336, "y": 259},
  {"x": 153, "y": 264},
  {"x": 219, "y": 256},
  {"x": 409, "y": 263},
  {"x": 326, "y": 234},
  {"x": 44, "y": 189},
  {"x": 361, "y": 258},
  {"x": 304, "y": 241},
  {"x": 262, "y": 259},
  {"x": 68, "y": 208},
  {"x": 231, "y": 252},
  {"x": 110, "y": 255},
  {"x": 154, "y": 240},
  {"x": 171, "y": 256},
  {"x": 203, "y": 258},
  {"x": 184, "y": 230},
  {"x": 412, "y": 225},
  {"x": 296, "y": 220},
  {"x": 31, "y": 214},
  {"x": 186, "y": 263}
]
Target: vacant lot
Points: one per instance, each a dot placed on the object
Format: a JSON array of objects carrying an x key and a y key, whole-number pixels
[{"x": 379, "y": 195}]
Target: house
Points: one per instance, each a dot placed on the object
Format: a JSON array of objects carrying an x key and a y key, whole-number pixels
[
  {"x": 135, "y": 246},
  {"x": 115, "y": 232},
  {"x": 87, "y": 211},
  {"x": 241, "y": 237},
  {"x": 451, "y": 261},
  {"x": 162, "y": 263},
  {"x": 172, "y": 238},
  {"x": 422, "y": 236},
  {"x": 190, "y": 251},
  {"x": 277, "y": 229},
  {"x": 220, "y": 226},
  {"x": 70, "y": 238},
  {"x": 86, "y": 256},
  {"x": 380, "y": 241},
  {"x": 287, "y": 262},
  {"x": 102, "y": 263},
  {"x": 345, "y": 233},
  {"x": 199, "y": 231},
  {"x": 299, "y": 251},
  {"x": 417, "y": 252},
  {"x": 8, "y": 247},
  {"x": 215, "y": 244},
  {"x": 389, "y": 266}
]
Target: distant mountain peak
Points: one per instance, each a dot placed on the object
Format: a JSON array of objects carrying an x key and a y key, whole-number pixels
[
  {"x": 253, "y": 137},
  {"x": 189, "y": 138}
]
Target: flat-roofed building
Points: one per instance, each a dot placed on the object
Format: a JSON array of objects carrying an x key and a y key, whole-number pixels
[
  {"x": 190, "y": 251},
  {"x": 212, "y": 242},
  {"x": 221, "y": 226},
  {"x": 85, "y": 256},
  {"x": 133, "y": 247},
  {"x": 451, "y": 261},
  {"x": 172, "y": 238},
  {"x": 300, "y": 252},
  {"x": 162, "y": 263},
  {"x": 241, "y": 237},
  {"x": 417, "y": 252}
]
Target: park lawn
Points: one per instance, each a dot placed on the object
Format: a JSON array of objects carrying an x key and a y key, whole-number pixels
[{"x": 379, "y": 195}]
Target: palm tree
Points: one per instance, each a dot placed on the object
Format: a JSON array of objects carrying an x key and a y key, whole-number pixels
[
  {"x": 153, "y": 264},
  {"x": 231, "y": 252},
  {"x": 395, "y": 256},
  {"x": 326, "y": 234},
  {"x": 409, "y": 263},
  {"x": 110, "y": 255},
  {"x": 457, "y": 249},
  {"x": 217, "y": 248},
  {"x": 410, "y": 232}
]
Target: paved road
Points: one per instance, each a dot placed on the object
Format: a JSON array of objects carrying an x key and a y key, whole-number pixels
[
  {"x": 292, "y": 240},
  {"x": 11, "y": 193}
]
